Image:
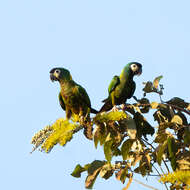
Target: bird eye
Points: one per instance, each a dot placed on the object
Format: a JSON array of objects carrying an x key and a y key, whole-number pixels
[
  {"x": 134, "y": 65},
  {"x": 57, "y": 71}
]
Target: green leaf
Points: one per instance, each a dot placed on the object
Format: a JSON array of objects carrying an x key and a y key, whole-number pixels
[
  {"x": 187, "y": 136},
  {"x": 160, "y": 153},
  {"x": 148, "y": 87},
  {"x": 126, "y": 147},
  {"x": 77, "y": 171},
  {"x": 178, "y": 102},
  {"x": 143, "y": 127},
  {"x": 108, "y": 150},
  {"x": 156, "y": 81},
  {"x": 172, "y": 149},
  {"x": 130, "y": 127},
  {"x": 109, "y": 116}
]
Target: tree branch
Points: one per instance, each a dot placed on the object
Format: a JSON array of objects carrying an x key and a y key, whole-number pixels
[{"x": 145, "y": 185}]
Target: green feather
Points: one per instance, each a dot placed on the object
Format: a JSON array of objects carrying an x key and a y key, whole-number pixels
[
  {"x": 121, "y": 88},
  {"x": 73, "y": 98}
]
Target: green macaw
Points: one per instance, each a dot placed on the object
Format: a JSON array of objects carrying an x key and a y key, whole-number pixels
[
  {"x": 73, "y": 98},
  {"x": 122, "y": 87}
]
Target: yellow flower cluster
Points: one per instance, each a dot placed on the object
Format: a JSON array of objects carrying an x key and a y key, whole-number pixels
[
  {"x": 62, "y": 133},
  {"x": 178, "y": 177},
  {"x": 40, "y": 137},
  {"x": 110, "y": 116}
]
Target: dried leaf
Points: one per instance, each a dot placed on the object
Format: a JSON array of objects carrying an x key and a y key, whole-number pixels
[
  {"x": 93, "y": 171},
  {"x": 129, "y": 182},
  {"x": 183, "y": 164},
  {"x": 138, "y": 157},
  {"x": 121, "y": 175},
  {"x": 161, "y": 136},
  {"x": 90, "y": 180},
  {"x": 156, "y": 81},
  {"x": 188, "y": 107},
  {"x": 145, "y": 101},
  {"x": 177, "y": 119},
  {"x": 154, "y": 105},
  {"x": 106, "y": 171},
  {"x": 96, "y": 136}
]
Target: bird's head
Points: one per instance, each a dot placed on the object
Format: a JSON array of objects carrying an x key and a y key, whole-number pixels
[
  {"x": 135, "y": 68},
  {"x": 60, "y": 74}
]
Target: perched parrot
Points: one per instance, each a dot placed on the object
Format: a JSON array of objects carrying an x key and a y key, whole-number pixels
[
  {"x": 73, "y": 98},
  {"x": 122, "y": 87}
]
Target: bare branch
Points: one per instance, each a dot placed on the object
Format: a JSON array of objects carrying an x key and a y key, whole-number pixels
[{"x": 145, "y": 185}]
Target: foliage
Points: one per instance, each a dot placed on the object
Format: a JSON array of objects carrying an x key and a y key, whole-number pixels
[
  {"x": 60, "y": 132},
  {"x": 179, "y": 179},
  {"x": 126, "y": 133}
]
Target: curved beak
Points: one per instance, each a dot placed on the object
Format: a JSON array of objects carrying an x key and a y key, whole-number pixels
[
  {"x": 52, "y": 77},
  {"x": 139, "y": 72}
]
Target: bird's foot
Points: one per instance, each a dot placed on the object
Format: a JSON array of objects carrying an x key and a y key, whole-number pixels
[
  {"x": 123, "y": 107},
  {"x": 115, "y": 108}
]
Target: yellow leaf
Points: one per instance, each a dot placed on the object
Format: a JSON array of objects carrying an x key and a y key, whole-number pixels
[
  {"x": 129, "y": 182},
  {"x": 177, "y": 119},
  {"x": 154, "y": 105},
  {"x": 188, "y": 107},
  {"x": 156, "y": 81}
]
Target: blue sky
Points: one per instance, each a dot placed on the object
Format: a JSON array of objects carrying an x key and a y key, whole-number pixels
[{"x": 94, "y": 40}]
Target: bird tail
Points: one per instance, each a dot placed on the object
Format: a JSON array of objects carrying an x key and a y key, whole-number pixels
[
  {"x": 107, "y": 106},
  {"x": 93, "y": 111}
]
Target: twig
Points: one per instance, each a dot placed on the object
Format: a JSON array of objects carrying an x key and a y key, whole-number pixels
[
  {"x": 129, "y": 182},
  {"x": 160, "y": 174},
  {"x": 156, "y": 170},
  {"x": 162, "y": 159},
  {"x": 179, "y": 108},
  {"x": 145, "y": 185},
  {"x": 159, "y": 165},
  {"x": 166, "y": 104}
]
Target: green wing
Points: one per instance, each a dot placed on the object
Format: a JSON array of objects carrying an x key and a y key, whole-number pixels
[
  {"x": 81, "y": 92},
  {"x": 133, "y": 87},
  {"x": 61, "y": 102},
  {"x": 114, "y": 82}
]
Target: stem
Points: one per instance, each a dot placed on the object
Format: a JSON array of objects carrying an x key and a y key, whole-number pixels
[
  {"x": 173, "y": 106},
  {"x": 162, "y": 159},
  {"x": 145, "y": 185},
  {"x": 156, "y": 170},
  {"x": 179, "y": 108}
]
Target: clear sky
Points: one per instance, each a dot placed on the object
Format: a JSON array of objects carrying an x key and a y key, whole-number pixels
[{"x": 94, "y": 39}]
